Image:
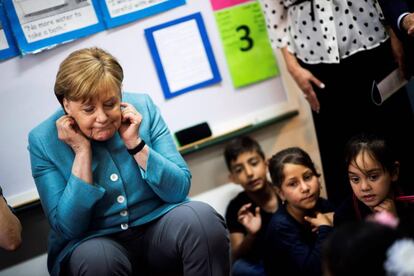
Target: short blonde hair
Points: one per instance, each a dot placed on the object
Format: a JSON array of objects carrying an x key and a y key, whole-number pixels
[{"x": 87, "y": 72}]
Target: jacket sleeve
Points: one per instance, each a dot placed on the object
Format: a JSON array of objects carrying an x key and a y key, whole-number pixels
[
  {"x": 392, "y": 10},
  {"x": 68, "y": 204},
  {"x": 167, "y": 173}
]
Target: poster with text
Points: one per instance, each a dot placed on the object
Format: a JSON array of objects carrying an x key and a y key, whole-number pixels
[
  {"x": 42, "y": 24},
  {"x": 246, "y": 44},
  {"x": 8, "y": 46},
  {"x": 118, "y": 12}
]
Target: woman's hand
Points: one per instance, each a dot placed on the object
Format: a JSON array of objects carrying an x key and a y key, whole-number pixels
[
  {"x": 252, "y": 222},
  {"x": 69, "y": 132},
  {"x": 304, "y": 79},
  {"x": 129, "y": 129}
]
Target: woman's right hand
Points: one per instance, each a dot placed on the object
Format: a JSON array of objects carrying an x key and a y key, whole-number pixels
[
  {"x": 303, "y": 78},
  {"x": 69, "y": 132}
]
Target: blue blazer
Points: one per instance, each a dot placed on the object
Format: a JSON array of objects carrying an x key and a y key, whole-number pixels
[
  {"x": 393, "y": 9},
  {"x": 122, "y": 195}
]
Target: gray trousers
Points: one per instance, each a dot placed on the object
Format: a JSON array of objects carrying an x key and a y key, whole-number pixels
[{"x": 191, "y": 239}]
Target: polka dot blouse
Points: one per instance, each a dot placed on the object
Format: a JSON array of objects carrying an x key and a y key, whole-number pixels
[{"x": 329, "y": 31}]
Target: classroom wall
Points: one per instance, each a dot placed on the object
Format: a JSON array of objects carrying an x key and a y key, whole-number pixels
[{"x": 208, "y": 166}]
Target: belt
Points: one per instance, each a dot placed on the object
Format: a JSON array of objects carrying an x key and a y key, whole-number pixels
[{"x": 312, "y": 11}]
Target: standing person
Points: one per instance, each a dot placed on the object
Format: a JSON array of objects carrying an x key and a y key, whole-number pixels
[
  {"x": 400, "y": 15},
  {"x": 10, "y": 227},
  {"x": 249, "y": 213},
  {"x": 334, "y": 50},
  {"x": 113, "y": 185},
  {"x": 373, "y": 171},
  {"x": 296, "y": 231}
]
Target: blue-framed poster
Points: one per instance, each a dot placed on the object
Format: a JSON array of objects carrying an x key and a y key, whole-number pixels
[
  {"x": 41, "y": 24},
  {"x": 8, "y": 46},
  {"x": 182, "y": 55},
  {"x": 117, "y": 12}
]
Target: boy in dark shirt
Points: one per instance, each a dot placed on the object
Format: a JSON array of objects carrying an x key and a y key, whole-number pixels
[{"x": 248, "y": 214}]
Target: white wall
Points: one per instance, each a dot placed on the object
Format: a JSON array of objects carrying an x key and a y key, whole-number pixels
[{"x": 208, "y": 166}]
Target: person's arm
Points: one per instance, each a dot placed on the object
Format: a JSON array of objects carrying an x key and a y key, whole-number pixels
[
  {"x": 276, "y": 16},
  {"x": 165, "y": 170},
  {"x": 241, "y": 244},
  {"x": 68, "y": 200},
  {"x": 303, "y": 78},
  {"x": 395, "y": 12},
  {"x": 10, "y": 227}
]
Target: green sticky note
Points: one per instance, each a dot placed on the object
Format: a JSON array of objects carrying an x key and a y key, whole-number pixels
[{"x": 246, "y": 45}]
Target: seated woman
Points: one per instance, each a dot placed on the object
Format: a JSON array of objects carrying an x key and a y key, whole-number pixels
[
  {"x": 112, "y": 184},
  {"x": 303, "y": 221}
]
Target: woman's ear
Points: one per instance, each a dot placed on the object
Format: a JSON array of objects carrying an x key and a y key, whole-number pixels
[{"x": 66, "y": 106}]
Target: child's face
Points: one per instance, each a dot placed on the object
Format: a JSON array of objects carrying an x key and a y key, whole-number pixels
[
  {"x": 249, "y": 170},
  {"x": 300, "y": 188},
  {"x": 370, "y": 183}
]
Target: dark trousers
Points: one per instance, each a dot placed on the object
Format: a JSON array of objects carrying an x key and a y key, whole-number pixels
[
  {"x": 347, "y": 109},
  {"x": 191, "y": 239}
]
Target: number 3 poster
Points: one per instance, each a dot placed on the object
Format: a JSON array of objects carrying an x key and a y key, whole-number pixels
[{"x": 246, "y": 45}]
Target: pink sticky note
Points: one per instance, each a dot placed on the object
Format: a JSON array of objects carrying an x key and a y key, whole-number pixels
[{"x": 221, "y": 4}]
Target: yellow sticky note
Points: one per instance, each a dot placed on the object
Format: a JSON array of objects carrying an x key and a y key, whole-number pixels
[{"x": 246, "y": 45}]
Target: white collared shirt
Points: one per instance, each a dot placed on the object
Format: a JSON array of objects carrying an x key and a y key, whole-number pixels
[{"x": 340, "y": 28}]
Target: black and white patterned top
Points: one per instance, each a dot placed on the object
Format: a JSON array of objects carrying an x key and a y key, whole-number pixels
[{"x": 339, "y": 28}]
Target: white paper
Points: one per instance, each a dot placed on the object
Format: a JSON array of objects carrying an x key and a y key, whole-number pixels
[
  {"x": 387, "y": 87},
  {"x": 122, "y": 7},
  {"x": 53, "y": 19},
  {"x": 183, "y": 56}
]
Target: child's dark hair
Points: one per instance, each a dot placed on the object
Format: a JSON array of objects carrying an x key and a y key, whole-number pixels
[
  {"x": 241, "y": 145},
  {"x": 375, "y": 146},
  {"x": 358, "y": 248},
  {"x": 293, "y": 155}
]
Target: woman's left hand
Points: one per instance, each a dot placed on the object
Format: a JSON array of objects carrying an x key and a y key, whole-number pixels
[{"x": 129, "y": 129}]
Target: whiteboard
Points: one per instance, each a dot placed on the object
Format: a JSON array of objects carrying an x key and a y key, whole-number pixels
[{"x": 27, "y": 98}]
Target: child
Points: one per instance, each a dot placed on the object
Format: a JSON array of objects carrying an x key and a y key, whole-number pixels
[
  {"x": 249, "y": 212},
  {"x": 373, "y": 171},
  {"x": 296, "y": 231}
]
